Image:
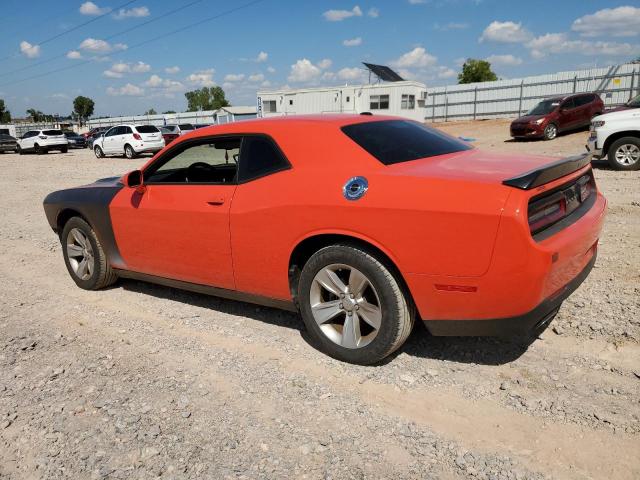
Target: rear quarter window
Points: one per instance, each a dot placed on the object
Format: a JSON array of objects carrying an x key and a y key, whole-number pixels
[{"x": 396, "y": 141}]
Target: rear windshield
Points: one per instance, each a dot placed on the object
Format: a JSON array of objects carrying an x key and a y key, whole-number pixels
[
  {"x": 52, "y": 133},
  {"x": 186, "y": 126},
  {"x": 147, "y": 129},
  {"x": 70, "y": 134},
  {"x": 396, "y": 141},
  {"x": 634, "y": 102}
]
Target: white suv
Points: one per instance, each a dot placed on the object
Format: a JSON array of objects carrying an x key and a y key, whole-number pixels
[
  {"x": 42, "y": 141},
  {"x": 128, "y": 140},
  {"x": 616, "y": 136}
]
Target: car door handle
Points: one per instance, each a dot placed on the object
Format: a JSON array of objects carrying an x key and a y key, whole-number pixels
[{"x": 217, "y": 201}]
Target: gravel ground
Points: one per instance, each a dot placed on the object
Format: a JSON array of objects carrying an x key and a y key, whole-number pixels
[{"x": 140, "y": 381}]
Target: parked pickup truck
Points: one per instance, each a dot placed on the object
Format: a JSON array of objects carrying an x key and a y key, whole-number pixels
[{"x": 616, "y": 136}]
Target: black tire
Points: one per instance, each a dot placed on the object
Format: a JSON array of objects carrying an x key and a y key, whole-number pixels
[
  {"x": 129, "y": 152},
  {"x": 64, "y": 150},
  {"x": 632, "y": 143},
  {"x": 102, "y": 275},
  {"x": 550, "y": 131},
  {"x": 397, "y": 309},
  {"x": 98, "y": 152},
  {"x": 19, "y": 151},
  {"x": 39, "y": 150}
]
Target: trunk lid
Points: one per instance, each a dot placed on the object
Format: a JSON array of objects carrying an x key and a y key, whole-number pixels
[{"x": 515, "y": 170}]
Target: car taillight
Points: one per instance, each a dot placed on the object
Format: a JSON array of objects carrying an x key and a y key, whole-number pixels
[
  {"x": 547, "y": 212},
  {"x": 137, "y": 136},
  {"x": 43, "y": 137},
  {"x": 584, "y": 185}
]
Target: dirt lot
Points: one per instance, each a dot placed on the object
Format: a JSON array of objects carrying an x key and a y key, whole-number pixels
[{"x": 141, "y": 381}]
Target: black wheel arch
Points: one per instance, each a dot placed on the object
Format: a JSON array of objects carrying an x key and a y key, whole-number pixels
[
  {"x": 617, "y": 136},
  {"x": 310, "y": 245}
]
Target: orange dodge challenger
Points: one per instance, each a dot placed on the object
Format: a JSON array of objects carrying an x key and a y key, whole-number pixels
[{"x": 360, "y": 223}]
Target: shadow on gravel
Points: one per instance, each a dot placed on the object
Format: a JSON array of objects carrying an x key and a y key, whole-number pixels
[{"x": 485, "y": 351}]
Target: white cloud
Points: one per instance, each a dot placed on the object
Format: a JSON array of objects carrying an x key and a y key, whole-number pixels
[
  {"x": 352, "y": 42},
  {"x": 303, "y": 71},
  {"x": 28, "y": 50},
  {"x": 614, "y": 22},
  {"x": 446, "y": 72},
  {"x": 202, "y": 78},
  {"x": 339, "y": 15},
  {"x": 505, "y": 32},
  {"x": 257, "y": 77},
  {"x": 128, "y": 90},
  {"x": 352, "y": 74},
  {"x": 417, "y": 2},
  {"x": 60, "y": 96},
  {"x": 117, "y": 70},
  {"x": 165, "y": 85},
  {"x": 508, "y": 60},
  {"x": 74, "y": 55},
  {"x": 416, "y": 58},
  {"x": 559, "y": 43},
  {"x": 100, "y": 46},
  {"x": 172, "y": 70},
  {"x": 265, "y": 84},
  {"x": 112, "y": 74},
  {"x": 137, "y": 12},
  {"x": 262, "y": 57},
  {"x": 90, "y": 8},
  {"x": 232, "y": 77},
  {"x": 324, "y": 63},
  {"x": 373, "y": 12},
  {"x": 271, "y": 70}
]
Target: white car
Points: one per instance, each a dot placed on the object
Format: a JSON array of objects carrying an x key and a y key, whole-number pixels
[
  {"x": 128, "y": 140},
  {"x": 181, "y": 129},
  {"x": 42, "y": 141},
  {"x": 616, "y": 136}
]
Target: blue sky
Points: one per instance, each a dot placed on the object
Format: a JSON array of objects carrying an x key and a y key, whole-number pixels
[{"x": 276, "y": 43}]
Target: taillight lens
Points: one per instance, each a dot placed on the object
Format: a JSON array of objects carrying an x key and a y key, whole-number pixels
[
  {"x": 546, "y": 213},
  {"x": 137, "y": 136},
  {"x": 584, "y": 185}
]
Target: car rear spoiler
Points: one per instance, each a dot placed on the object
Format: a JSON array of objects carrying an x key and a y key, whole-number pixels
[{"x": 549, "y": 172}]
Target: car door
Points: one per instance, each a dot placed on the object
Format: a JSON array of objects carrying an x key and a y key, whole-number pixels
[
  {"x": 177, "y": 225},
  {"x": 108, "y": 141},
  {"x": 26, "y": 142},
  {"x": 123, "y": 137},
  {"x": 567, "y": 117},
  {"x": 583, "y": 104}
]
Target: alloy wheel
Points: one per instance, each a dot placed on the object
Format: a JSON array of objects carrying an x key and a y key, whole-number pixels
[
  {"x": 551, "y": 131},
  {"x": 627, "y": 154},
  {"x": 80, "y": 254},
  {"x": 345, "y": 306}
]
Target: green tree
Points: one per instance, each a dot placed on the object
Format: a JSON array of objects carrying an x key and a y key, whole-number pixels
[
  {"x": 211, "y": 98},
  {"x": 151, "y": 111},
  {"x": 168, "y": 112},
  {"x": 83, "y": 108},
  {"x": 476, "y": 71},
  {"x": 35, "y": 115},
  {"x": 5, "y": 115}
]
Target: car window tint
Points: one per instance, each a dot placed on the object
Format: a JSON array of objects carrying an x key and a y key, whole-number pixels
[
  {"x": 146, "y": 129},
  {"x": 569, "y": 104},
  {"x": 126, "y": 130},
  {"x": 260, "y": 157},
  {"x": 203, "y": 161},
  {"x": 395, "y": 141}
]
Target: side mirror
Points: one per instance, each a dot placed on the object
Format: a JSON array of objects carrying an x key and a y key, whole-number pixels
[{"x": 135, "y": 179}]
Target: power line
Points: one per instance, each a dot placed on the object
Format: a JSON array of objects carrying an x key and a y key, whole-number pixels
[
  {"x": 145, "y": 42},
  {"x": 110, "y": 37},
  {"x": 72, "y": 29}
]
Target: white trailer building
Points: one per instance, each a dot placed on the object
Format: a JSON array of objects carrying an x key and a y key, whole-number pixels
[{"x": 401, "y": 98}]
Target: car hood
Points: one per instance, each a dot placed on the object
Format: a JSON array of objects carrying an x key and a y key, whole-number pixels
[
  {"x": 528, "y": 118},
  {"x": 627, "y": 114},
  {"x": 473, "y": 165}
]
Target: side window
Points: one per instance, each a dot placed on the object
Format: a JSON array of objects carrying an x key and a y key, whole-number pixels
[
  {"x": 569, "y": 104},
  {"x": 126, "y": 131},
  {"x": 111, "y": 132},
  {"x": 379, "y": 102},
  {"x": 210, "y": 160},
  {"x": 259, "y": 157}
]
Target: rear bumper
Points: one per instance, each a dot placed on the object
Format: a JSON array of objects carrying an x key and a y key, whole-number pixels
[
  {"x": 529, "y": 322},
  {"x": 8, "y": 147}
]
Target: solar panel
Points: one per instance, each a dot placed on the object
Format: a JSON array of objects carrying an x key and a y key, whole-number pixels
[{"x": 383, "y": 72}]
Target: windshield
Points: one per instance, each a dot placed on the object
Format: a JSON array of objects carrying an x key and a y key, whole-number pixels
[
  {"x": 70, "y": 134},
  {"x": 634, "y": 102},
  {"x": 544, "y": 107},
  {"x": 395, "y": 141}
]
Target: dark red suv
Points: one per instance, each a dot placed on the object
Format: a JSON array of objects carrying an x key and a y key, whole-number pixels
[{"x": 558, "y": 114}]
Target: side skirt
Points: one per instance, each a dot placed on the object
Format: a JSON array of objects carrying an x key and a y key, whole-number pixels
[{"x": 208, "y": 290}]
